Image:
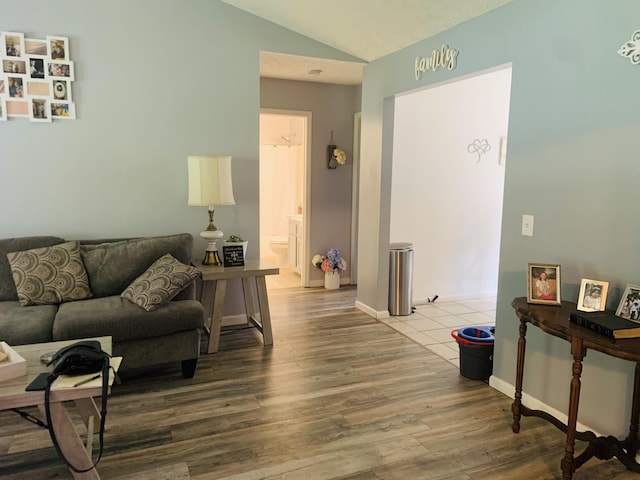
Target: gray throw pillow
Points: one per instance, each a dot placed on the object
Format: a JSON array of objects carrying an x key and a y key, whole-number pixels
[
  {"x": 49, "y": 275},
  {"x": 160, "y": 283}
]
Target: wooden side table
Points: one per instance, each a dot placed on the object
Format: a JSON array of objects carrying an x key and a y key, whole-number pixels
[
  {"x": 554, "y": 320},
  {"x": 214, "y": 289}
]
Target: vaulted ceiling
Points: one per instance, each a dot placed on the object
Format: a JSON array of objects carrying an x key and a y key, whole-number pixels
[{"x": 366, "y": 29}]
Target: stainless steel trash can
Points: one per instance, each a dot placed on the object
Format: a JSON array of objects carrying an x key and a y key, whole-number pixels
[{"x": 400, "y": 278}]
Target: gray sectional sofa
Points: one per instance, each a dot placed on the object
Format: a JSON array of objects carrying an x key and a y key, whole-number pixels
[{"x": 169, "y": 333}]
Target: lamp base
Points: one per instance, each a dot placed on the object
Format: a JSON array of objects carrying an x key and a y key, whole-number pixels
[{"x": 211, "y": 258}]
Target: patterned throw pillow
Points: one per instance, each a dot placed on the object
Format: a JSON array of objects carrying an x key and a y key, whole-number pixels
[
  {"x": 160, "y": 283},
  {"x": 49, "y": 275}
]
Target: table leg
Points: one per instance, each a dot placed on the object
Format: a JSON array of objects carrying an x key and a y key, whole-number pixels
[
  {"x": 568, "y": 462},
  {"x": 631, "y": 442},
  {"x": 70, "y": 442},
  {"x": 216, "y": 314},
  {"x": 517, "y": 401},
  {"x": 263, "y": 305},
  {"x": 91, "y": 416},
  {"x": 249, "y": 304}
]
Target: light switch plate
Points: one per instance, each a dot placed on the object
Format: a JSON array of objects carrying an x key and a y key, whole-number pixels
[{"x": 527, "y": 225}]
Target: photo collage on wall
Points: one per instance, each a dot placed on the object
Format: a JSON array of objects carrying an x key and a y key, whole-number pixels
[{"x": 36, "y": 78}]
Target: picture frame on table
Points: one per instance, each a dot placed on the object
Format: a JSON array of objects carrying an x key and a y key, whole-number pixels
[
  {"x": 629, "y": 306},
  {"x": 543, "y": 284},
  {"x": 12, "y": 44},
  {"x": 593, "y": 295}
]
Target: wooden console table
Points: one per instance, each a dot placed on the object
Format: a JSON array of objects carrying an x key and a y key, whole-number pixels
[
  {"x": 554, "y": 320},
  {"x": 214, "y": 289}
]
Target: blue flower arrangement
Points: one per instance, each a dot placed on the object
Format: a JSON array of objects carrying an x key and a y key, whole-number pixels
[{"x": 330, "y": 262}]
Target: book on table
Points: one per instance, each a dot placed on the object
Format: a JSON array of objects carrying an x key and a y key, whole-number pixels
[{"x": 607, "y": 323}]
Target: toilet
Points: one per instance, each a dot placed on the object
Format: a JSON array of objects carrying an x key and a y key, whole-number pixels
[{"x": 280, "y": 246}]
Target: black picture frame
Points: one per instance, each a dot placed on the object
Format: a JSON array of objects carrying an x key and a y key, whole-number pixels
[{"x": 233, "y": 256}]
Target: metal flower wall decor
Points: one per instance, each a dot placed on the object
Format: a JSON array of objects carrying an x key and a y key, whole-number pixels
[
  {"x": 631, "y": 49},
  {"x": 479, "y": 146}
]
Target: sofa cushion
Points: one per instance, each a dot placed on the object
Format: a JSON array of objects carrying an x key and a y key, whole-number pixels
[
  {"x": 7, "y": 285},
  {"x": 24, "y": 325},
  {"x": 160, "y": 283},
  {"x": 112, "y": 266},
  {"x": 123, "y": 320},
  {"x": 49, "y": 275}
]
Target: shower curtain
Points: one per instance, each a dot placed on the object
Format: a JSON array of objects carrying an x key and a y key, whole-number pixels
[{"x": 278, "y": 182}]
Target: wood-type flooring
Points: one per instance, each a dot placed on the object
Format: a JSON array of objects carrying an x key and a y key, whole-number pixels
[{"x": 338, "y": 396}]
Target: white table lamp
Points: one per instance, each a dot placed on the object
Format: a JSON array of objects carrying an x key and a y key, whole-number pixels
[{"x": 210, "y": 185}]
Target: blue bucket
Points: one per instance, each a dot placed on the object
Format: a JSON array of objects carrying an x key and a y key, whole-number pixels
[{"x": 480, "y": 334}]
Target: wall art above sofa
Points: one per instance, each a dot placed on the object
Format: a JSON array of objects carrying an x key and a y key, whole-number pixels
[{"x": 36, "y": 78}]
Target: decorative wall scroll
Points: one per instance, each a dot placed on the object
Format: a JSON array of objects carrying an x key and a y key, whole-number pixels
[
  {"x": 631, "y": 49},
  {"x": 35, "y": 79}
]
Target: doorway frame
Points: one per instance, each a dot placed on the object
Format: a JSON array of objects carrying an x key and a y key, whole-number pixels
[{"x": 306, "y": 181}]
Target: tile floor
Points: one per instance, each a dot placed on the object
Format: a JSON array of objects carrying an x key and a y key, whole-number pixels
[{"x": 431, "y": 324}]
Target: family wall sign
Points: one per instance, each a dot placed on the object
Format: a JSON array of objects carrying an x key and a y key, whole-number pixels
[
  {"x": 36, "y": 77},
  {"x": 445, "y": 57}
]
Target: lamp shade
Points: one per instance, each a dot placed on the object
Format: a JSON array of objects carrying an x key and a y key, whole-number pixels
[{"x": 210, "y": 180}]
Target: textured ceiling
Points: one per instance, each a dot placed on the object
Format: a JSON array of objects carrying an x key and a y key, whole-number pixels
[{"x": 367, "y": 29}]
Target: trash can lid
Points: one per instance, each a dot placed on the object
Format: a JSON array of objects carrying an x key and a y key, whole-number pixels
[
  {"x": 480, "y": 333},
  {"x": 401, "y": 246}
]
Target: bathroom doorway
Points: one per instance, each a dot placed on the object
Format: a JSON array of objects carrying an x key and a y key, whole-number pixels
[{"x": 283, "y": 194}]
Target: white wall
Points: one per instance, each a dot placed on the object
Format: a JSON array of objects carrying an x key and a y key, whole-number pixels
[{"x": 444, "y": 199}]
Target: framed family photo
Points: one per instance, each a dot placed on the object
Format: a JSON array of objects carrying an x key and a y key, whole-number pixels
[
  {"x": 543, "y": 284},
  {"x": 12, "y": 44},
  {"x": 629, "y": 306},
  {"x": 593, "y": 295}
]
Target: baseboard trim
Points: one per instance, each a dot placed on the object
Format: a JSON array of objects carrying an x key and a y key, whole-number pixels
[
  {"x": 371, "y": 312},
  {"x": 533, "y": 403}
]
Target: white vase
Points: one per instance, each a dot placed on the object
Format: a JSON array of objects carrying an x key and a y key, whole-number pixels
[{"x": 332, "y": 280}]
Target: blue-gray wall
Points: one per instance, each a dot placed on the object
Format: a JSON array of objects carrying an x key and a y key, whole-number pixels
[
  {"x": 156, "y": 81},
  {"x": 573, "y": 162}
]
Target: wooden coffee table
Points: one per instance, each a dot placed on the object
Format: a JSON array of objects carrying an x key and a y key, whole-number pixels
[{"x": 13, "y": 395}]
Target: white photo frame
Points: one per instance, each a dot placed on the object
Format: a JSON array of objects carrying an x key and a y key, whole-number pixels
[
  {"x": 34, "y": 74},
  {"x": 63, "y": 110},
  {"x": 39, "y": 109},
  {"x": 36, "y": 47},
  {"x": 15, "y": 86},
  {"x": 35, "y": 67},
  {"x": 61, "y": 90},
  {"x": 629, "y": 306},
  {"x": 59, "y": 70},
  {"x": 58, "y": 48},
  {"x": 593, "y": 295},
  {"x": 12, "y": 44}
]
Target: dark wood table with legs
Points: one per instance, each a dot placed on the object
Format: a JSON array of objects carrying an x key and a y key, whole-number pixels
[{"x": 554, "y": 320}]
